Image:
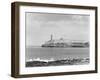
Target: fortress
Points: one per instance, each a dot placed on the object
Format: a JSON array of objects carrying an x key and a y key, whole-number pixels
[{"x": 63, "y": 43}]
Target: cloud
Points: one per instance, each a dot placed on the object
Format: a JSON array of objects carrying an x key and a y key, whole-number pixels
[{"x": 56, "y": 17}]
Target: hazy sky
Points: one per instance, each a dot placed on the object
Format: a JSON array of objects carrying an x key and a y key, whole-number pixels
[{"x": 39, "y": 27}]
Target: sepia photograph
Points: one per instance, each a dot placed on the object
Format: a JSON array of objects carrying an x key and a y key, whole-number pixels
[{"x": 56, "y": 39}]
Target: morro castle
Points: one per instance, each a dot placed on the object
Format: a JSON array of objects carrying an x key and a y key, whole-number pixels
[{"x": 63, "y": 43}]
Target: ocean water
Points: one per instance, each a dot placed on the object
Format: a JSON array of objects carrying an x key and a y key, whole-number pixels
[{"x": 55, "y": 53}]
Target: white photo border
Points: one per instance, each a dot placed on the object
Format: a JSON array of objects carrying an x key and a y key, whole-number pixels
[{"x": 40, "y": 70}]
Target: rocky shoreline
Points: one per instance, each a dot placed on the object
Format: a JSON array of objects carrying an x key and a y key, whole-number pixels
[{"x": 74, "y": 61}]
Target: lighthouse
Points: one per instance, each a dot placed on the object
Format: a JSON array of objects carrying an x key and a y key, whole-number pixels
[{"x": 51, "y": 37}]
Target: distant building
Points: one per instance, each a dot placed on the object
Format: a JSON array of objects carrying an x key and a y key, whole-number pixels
[{"x": 63, "y": 43}]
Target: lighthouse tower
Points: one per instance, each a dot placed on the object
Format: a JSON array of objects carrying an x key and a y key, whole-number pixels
[{"x": 51, "y": 37}]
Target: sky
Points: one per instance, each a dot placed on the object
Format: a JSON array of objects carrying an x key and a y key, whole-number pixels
[{"x": 39, "y": 27}]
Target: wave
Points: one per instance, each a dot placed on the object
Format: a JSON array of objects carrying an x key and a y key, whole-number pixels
[
  {"x": 52, "y": 59},
  {"x": 39, "y": 59}
]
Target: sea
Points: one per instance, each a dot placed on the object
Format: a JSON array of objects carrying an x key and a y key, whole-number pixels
[{"x": 47, "y": 53}]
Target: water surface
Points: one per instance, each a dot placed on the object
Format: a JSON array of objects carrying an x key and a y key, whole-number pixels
[{"x": 56, "y": 53}]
